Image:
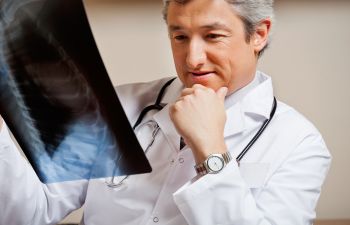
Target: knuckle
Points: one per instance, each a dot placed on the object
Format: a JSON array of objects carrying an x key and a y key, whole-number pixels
[
  {"x": 175, "y": 108},
  {"x": 187, "y": 98},
  {"x": 211, "y": 91},
  {"x": 197, "y": 86},
  {"x": 172, "y": 108},
  {"x": 198, "y": 91},
  {"x": 185, "y": 91}
]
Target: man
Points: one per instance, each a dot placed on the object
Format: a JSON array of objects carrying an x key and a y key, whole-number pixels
[{"x": 218, "y": 105}]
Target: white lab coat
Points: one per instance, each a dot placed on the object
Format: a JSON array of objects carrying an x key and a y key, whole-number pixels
[{"x": 278, "y": 181}]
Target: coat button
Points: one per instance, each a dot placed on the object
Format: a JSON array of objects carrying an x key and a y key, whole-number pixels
[
  {"x": 181, "y": 160},
  {"x": 155, "y": 219}
]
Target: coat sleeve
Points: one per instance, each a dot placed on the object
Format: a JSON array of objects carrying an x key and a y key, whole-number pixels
[
  {"x": 24, "y": 200},
  {"x": 289, "y": 196}
]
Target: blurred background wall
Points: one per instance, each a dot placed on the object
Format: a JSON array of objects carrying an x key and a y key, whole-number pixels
[{"x": 308, "y": 60}]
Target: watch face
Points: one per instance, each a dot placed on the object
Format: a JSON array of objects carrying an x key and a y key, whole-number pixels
[{"x": 215, "y": 163}]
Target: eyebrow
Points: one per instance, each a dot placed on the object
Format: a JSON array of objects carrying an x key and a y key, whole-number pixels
[
  {"x": 213, "y": 26},
  {"x": 216, "y": 26},
  {"x": 174, "y": 28}
]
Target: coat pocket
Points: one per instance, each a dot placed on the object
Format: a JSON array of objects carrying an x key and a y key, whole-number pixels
[{"x": 254, "y": 174}]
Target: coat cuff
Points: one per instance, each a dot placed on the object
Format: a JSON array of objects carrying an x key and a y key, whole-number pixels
[{"x": 204, "y": 184}]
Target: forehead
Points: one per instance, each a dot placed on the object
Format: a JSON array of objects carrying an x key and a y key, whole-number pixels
[{"x": 197, "y": 13}]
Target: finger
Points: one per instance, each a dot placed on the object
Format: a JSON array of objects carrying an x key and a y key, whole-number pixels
[
  {"x": 195, "y": 86},
  {"x": 187, "y": 91},
  {"x": 222, "y": 92},
  {"x": 181, "y": 98}
]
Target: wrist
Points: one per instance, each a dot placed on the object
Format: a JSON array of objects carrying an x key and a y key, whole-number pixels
[{"x": 201, "y": 153}]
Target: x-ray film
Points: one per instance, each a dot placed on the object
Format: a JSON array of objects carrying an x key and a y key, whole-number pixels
[{"x": 56, "y": 96}]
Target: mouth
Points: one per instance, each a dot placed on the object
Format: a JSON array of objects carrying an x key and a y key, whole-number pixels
[{"x": 200, "y": 73}]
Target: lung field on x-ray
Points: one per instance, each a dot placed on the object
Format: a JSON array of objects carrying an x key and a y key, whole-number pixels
[
  {"x": 56, "y": 95},
  {"x": 49, "y": 82}
]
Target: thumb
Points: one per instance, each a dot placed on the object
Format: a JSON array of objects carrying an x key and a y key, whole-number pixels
[{"x": 222, "y": 92}]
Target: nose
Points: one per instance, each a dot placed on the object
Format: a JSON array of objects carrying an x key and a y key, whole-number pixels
[{"x": 196, "y": 54}]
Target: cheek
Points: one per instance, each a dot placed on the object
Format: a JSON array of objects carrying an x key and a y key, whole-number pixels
[
  {"x": 180, "y": 67},
  {"x": 239, "y": 58},
  {"x": 224, "y": 62},
  {"x": 179, "y": 57}
]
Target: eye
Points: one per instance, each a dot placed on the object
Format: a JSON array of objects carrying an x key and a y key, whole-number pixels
[
  {"x": 180, "y": 38},
  {"x": 214, "y": 36}
]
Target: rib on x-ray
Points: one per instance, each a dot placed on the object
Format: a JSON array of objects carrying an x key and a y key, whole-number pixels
[{"x": 56, "y": 96}]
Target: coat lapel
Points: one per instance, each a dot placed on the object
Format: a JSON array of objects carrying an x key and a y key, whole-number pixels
[
  {"x": 168, "y": 128},
  {"x": 162, "y": 117}
]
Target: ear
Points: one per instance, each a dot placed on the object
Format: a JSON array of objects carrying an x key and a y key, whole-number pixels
[{"x": 261, "y": 35}]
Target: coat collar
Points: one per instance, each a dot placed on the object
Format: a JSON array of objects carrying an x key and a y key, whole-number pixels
[
  {"x": 173, "y": 91},
  {"x": 259, "y": 100},
  {"x": 256, "y": 102}
]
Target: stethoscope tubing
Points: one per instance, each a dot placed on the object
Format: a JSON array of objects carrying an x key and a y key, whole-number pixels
[
  {"x": 158, "y": 106},
  {"x": 260, "y": 131}
]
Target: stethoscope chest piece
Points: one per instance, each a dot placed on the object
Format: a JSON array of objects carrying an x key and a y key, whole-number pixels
[{"x": 147, "y": 132}]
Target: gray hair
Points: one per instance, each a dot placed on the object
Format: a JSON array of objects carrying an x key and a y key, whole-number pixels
[{"x": 251, "y": 12}]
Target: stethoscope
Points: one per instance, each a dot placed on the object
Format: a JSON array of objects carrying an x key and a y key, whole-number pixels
[{"x": 155, "y": 129}]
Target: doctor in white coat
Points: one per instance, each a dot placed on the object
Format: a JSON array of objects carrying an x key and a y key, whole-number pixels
[{"x": 217, "y": 104}]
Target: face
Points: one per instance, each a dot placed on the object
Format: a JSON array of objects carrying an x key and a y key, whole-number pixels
[{"x": 209, "y": 45}]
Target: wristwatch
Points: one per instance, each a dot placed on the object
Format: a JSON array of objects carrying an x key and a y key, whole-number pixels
[{"x": 213, "y": 164}]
